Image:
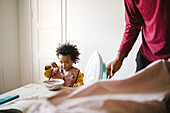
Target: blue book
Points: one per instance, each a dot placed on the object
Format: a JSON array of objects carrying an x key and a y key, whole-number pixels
[{"x": 8, "y": 98}]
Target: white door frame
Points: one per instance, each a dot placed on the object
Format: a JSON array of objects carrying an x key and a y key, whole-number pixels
[{"x": 37, "y": 55}]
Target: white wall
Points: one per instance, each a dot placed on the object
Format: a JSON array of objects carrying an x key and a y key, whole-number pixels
[
  {"x": 25, "y": 41},
  {"x": 99, "y": 25},
  {"x": 91, "y": 24},
  {"x": 9, "y": 46}
]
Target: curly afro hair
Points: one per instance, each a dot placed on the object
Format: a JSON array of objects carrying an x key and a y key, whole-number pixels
[{"x": 68, "y": 49}]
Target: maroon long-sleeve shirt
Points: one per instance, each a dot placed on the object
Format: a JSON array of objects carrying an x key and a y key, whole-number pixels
[{"x": 152, "y": 17}]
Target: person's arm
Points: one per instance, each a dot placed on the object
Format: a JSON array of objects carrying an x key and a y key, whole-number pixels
[
  {"x": 48, "y": 71},
  {"x": 51, "y": 70},
  {"x": 79, "y": 81},
  {"x": 115, "y": 65},
  {"x": 134, "y": 21}
]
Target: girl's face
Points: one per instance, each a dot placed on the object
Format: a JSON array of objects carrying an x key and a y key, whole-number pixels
[{"x": 65, "y": 61}]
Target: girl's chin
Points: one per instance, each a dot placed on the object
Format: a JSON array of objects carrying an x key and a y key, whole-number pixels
[{"x": 67, "y": 69}]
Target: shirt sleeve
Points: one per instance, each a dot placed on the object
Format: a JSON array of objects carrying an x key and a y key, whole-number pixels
[
  {"x": 79, "y": 81},
  {"x": 134, "y": 21},
  {"x": 48, "y": 72}
]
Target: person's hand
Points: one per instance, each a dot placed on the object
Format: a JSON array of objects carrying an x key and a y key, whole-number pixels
[
  {"x": 47, "y": 67},
  {"x": 168, "y": 59},
  {"x": 54, "y": 65},
  {"x": 55, "y": 71},
  {"x": 115, "y": 65},
  {"x": 75, "y": 85}
]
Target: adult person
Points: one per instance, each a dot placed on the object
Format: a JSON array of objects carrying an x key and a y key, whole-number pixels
[{"x": 152, "y": 17}]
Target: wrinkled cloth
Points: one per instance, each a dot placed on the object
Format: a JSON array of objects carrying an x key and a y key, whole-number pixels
[{"x": 148, "y": 91}]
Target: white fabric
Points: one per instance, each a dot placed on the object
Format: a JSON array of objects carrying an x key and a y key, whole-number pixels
[{"x": 146, "y": 92}]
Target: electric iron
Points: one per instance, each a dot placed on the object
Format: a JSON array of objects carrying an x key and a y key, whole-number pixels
[{"x": 95, "y": 69}]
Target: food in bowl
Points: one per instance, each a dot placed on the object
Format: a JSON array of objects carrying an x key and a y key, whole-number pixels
[{"x": 53, "y": 84}]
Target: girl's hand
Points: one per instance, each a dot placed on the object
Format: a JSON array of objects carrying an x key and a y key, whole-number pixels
[
  {"x": 54, "y": 65},
  {"x": 75, "y": 85}
]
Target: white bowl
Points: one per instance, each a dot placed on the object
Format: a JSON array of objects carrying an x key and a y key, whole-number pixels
[{"x": 53, "y": 84}]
